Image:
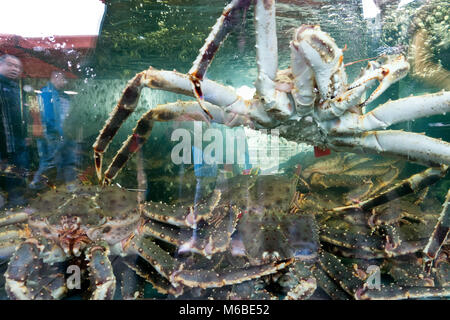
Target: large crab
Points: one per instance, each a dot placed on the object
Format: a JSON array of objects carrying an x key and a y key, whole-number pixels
[
  {"x": 75, "y": 227},
  {"x": 394, "y": 243},
  {"x": 361, "y": 176},
  {"x": 385, "y": 230},
  {"x": 210, "y": 251},
  {"x": 85, "y": 227},
  {"x": 275, "y": 228},
  {"x": 270, "y": 245},
  {"x": 261, "y": 251},
  {"x": 309, "y": 102}
]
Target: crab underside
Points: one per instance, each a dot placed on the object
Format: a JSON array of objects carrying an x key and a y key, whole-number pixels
[{"x": 309, "y": 102}]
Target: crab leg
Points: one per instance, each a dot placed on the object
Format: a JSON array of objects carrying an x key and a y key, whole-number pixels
[
  {"x": 266, "y": 50},
  {"x": 266, "y": 54},
  {"x": 395, "y": 292},
  {"x": 157, "y": 257},
  {"x": 209, "y": 239},
  {"x": 182, "y": 216},
  {"x": 321, "y": 53},
  {"x": 329, "y": 286},
  {"x": 164, "y": 232},
  {"x": 212, "y": 279},
  {"x": 149, "y": 274},
  {"x": 394, "y": 69},
  {"x": 101, "y": 271},
  {"x": 339, "y": 235},
  {"x": 24, "y": 279},
  {"x": 229, "y": 18},
  {"x": 13, "y": 218},
  {"x": 218, "y": 95},
  {"x": 22, "y": 262},
  {"x": 275, "y": 101},
  {"x": 178, "y": 111},
  {"x": 226, "y": 107},
  {"x": 387, "y": 70},
  {"x": 410, "y": 185},
  {"x": 358, "y": 289},
  {"x": 126, "y": 105},
  {"x": 7, "y": 248},
  {"x": 440, "y": 233},
  {"x": 406, "y": 247},
  {"x": 10, "y": 238},
  {"x": 157, "y": 79},
  {"x": 335, "y": 108},
  {"x": 393, "y": 112},
  {"x": 343, "y": 275},
  {"x": 214, "y": 237},
  {"x": 410, "y": 146},
  {"x": 132, "y": 286},
  {"x": 143, "y": 130}
]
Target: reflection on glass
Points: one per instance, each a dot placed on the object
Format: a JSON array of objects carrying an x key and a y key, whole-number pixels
[{"x": 316, "y": 221}]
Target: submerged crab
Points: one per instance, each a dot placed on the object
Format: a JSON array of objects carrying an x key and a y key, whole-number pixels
[
  {"x": 383, "y": 231},
  {"x": 273, "y": 228},
  {"x": 309, "y": 102},
  {"x": 58, "y": 226},
  {"x": 259, "y": 250},
  {"x": 95, "y": 223},
  {"x": 395, "y": 249},
  {"x": 206, "y": 248},
  {"x": 362, "y": 177},
  {"x": 271, "y": 247}
]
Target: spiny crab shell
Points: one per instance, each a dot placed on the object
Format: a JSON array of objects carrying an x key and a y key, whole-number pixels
[
  {"x": 73, "y": 220},
  {"x": 93, "y": 224},
  {"x": 60, "y": 226}
]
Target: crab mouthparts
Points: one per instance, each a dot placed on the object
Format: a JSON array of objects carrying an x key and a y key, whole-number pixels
[{"x": 71, "y": 236}]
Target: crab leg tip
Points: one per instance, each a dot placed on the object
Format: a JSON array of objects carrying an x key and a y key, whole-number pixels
[
  {"x": 98, "y": 157},
  {"x": 198, "y": 93},
  {"x": 106, "y": 181}
]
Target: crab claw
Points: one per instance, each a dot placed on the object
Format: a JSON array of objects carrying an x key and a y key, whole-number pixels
[
  {"x": 391, "y": 69},
  {"x": 321, "y": 53}
]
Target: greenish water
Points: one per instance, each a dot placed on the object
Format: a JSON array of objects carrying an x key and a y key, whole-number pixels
[{"x": 167, "y": 35}]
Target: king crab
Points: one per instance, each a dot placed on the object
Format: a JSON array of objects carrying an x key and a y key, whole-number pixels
[
  {"x": 309, "y": 102},
  {"x": 91, "y": 225}
]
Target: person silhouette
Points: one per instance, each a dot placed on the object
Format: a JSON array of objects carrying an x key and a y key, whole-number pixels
[
  {"x": 55, "y": 149},
  {"x": 13, "y": 129}
]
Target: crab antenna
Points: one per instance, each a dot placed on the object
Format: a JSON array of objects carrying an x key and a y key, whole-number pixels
[{"x": 362, "y": 60}]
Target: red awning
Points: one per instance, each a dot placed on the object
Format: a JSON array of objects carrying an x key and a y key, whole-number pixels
[{"x": 41, "y": 56}]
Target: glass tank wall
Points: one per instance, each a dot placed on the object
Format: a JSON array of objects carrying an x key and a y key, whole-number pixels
[{"x": 242, "y": 149}]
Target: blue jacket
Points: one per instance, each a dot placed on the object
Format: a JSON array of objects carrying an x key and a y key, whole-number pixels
[{"x": 52, "y": 109}]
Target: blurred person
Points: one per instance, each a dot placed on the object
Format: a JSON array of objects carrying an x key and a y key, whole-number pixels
[
  {"x": 55, "y": 148},
  {"x": 13, "y": 129}
]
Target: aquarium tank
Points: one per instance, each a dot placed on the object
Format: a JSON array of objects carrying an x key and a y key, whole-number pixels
[{"x": 224, "y": 149}]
